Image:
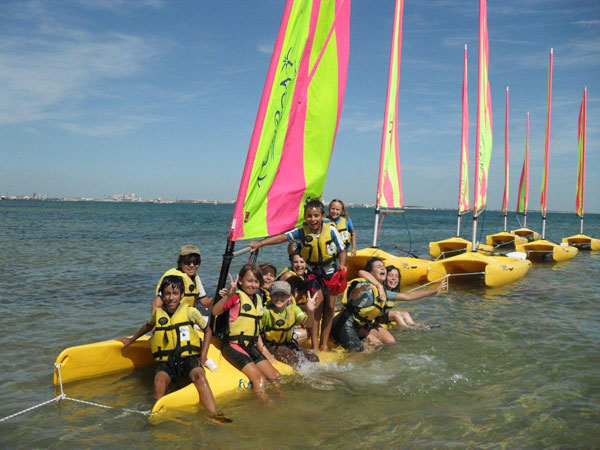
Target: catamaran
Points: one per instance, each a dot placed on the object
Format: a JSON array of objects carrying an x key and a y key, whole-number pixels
[
  {"x": 287, "y": 162},
  {"x": 581, "y": 241},
  {"x": 496, "y": 270},
  {"x": 389, "y": 199},
  {"x": 542, "y": 249},
  {"x": 504, "y": 239}
]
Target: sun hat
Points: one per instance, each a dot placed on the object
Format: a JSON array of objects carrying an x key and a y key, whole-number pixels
[{"x": 189, "y": 250}]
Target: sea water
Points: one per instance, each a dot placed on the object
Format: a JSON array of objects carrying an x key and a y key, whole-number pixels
[{"x": 513, "y": 366}]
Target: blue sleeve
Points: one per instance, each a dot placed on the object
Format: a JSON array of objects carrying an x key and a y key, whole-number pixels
[
  {"x": 296, "y": 233},
  {"x": 337, "y": 239},
  {"x": 350, "y": 225}
]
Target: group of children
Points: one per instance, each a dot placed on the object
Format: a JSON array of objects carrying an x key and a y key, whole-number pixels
[{"x": 263, "y": 316}]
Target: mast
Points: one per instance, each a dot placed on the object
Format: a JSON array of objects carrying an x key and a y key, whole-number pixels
[
  {"x": 463, "y": 179},
  {"x": 580, "y": 194},
  {"x": 544, "y": 196},
  {"x": 389, "y": 185},
  {"x": 506, "y": 168}
]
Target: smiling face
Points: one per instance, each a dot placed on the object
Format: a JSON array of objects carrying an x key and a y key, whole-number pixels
[
  {"x": 298, "y": 264},
  {"x": 393, "y": 278},
  {"x": 190, "y": 264},
  {"x": 335, "y": 209},
  {"x": 314, "y": 218},
  {"x": 171, "y": 297},
  {"x": 268, "y": 278},
  {"x": 249, "y": 283},
  {"x": 280, "y": 301},
  {"x": 378, "y": 271}
]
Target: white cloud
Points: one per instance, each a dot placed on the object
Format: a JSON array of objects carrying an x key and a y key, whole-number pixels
[{"x": 267, "y": 49}]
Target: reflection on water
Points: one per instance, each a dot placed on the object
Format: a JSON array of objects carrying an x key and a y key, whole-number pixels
[{"x": 513, "y": 366}]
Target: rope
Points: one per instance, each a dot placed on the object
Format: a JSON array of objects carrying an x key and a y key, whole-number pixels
[{"x": 63, "y": 396}]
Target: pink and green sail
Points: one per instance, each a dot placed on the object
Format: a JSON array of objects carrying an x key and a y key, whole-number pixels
[
  {"x": 506, "y": 155},
  {"x": 580, "y": 194},
  {"x": 544, "y": 196},
  {"x": 483, "y": 144},
  {"x": 389, "y": 185},
  {"x": 524, "y": 182},
  {"x": 463, "y": 179},
  {"x": 297, "y": 119}
]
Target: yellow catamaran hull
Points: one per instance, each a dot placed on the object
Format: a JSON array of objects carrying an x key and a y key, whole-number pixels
[
  {"x": 543, "y": 249},
  {"x": 102, "y": 358},
  {"x": 412, "y": 270},
  {"x": 526, "y": 233},
  {"x": 504, "y": 239},
  {"x": 449, "y": 247},
  {"x": 495, "y": 270},
  {"x": 583, "y": 242}
]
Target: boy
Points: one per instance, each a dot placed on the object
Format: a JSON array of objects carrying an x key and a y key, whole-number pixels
[
  {"x": 176, "y": 344},
  {"x": 279, "y": 318}
]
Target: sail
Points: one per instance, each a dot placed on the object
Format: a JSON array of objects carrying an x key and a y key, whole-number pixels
[
  {"x": 463, "y": 180},
  {"x": 544, "y": 196},
  {"x": 297, "y": 119},
  {"x": 524, "y": 182},
  {"x": 506, "y": 154},
  {"x": 579, "y": 196},
  {"x": 483, "y": 143},
  {"x": 389, "y": 185}
]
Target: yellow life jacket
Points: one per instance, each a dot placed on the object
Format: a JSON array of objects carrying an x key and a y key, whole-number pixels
[
  {"x": 191, "y": 287},
  {"x": 342, "y": 227},
  {"x": 321, "y": 251},
  {"x": 245, "y": 328},
  {"x": 281, "y": 330},
  {"x": 174, "y": 335},
  {"x": 266, "y": 295},
  {"x": 286, "y": 270},
  {"x": 367, "y": 314}
]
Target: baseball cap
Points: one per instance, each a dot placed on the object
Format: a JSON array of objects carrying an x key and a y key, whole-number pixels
[
  {"x": 189, "y": 250},
  {"x": 281, "y": 287}
]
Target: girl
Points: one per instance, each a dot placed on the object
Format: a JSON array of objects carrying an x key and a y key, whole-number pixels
[
  {"x": 241, "y": 340},
  {"x": 297, "y": 267},
  {"x": 325, "y": 256},
  {"x": 339, "y": 217}
]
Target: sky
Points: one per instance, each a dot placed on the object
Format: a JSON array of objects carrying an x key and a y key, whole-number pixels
[{"x": 159, "y": 98}]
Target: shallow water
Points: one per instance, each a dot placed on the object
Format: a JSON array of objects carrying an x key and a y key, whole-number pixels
[{"x": 515, "y": 366}]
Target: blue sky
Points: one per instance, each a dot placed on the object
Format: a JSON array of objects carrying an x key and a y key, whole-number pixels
[{"x": 159, "y": 98}]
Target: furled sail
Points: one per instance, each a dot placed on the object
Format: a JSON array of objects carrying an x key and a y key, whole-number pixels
[
  {"x": 463, "y": 180},
  {"x": 483, "y": 144},
  {"x": 297, "y": 119},
  {"x": 524, "y": 182},
  {"x": 389, "y": 185},
  {"x": 580, "y": 194},
  {"x": 506, "y": 155},
  {"x": 544, "y": 196}
]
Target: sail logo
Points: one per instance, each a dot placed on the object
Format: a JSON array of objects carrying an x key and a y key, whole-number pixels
[{"x": 286, "y": 78}]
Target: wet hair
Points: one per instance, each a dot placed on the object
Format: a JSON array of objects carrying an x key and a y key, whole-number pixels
[
  {"x": 370, "y": 262},
  {"x": 388, "y": 269},
  {"x": 298, "y": 283},
  {"x": 175, "y": 281},
  {"x": 182, "y": 257},
  {"x": 250, "y": 268},
  {"x": 291, "y": 256},
  {"x": 314, "y": 204},
  {"x": 266, "y": 266},
  {"x": 344, "y": 212}
]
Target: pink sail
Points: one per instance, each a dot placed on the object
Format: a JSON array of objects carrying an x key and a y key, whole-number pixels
[
  {"x": 463, "y": 180},
  {"x": 297, "y": 119},
  {"x": 524, "y": 182},
  {"x": 506, "y": 151},
  {"x": 580, "y": 195},
  {"x": 483, "y": 143},
  {"x": 544, "y": 196},
  {"x": 389, "y": 184}
]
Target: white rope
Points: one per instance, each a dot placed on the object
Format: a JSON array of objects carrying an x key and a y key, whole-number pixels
[{"x": 63, "y": 396}]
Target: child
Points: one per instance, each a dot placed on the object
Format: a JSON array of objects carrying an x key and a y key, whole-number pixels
[
  {"x": 297, "y": 267},
  {"x": 268, "y": 271},
  {"x": 339, "y": 216},
  {"x": 278, "y": 322},
  {"x": 241, "y": 335},
  {"x": 325, "y": 256},
  {"x": 392, "y": 293},
  {"x": 176, "y": 344}
]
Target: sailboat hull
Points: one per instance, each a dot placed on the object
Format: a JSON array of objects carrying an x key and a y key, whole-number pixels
[
  {"x": 449, "y": 247},
  {"x": 412, "y": 270},
  {"x": 542, "y": 249},
  {"x": 526, "y": 233},
  {"x": 504, "y": 239},
  {"x": 583, "y": 242},
  {"x": 495, "y": 271}
]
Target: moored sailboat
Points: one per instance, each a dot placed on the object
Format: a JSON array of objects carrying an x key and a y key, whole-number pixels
[
  {"x": 542, "y": 249},
  {"x": 581, "y": 241},
  {"x": 389, "y": 197}
]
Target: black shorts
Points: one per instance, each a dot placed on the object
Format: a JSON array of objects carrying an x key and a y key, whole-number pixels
[
  {"x": 239, "y": 357},
  {"x": 187, "y": 365},
  {"x": 345, "y": 332}
]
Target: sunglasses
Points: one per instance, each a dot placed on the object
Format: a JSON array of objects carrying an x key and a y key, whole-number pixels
[{"x": 194, "y": 260}]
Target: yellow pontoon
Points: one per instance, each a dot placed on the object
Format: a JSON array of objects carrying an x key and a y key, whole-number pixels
[
  {"x": 542, "y": 249},
  {"x": 583, "y": 242},
  {"x": 412, "y": 270}
]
